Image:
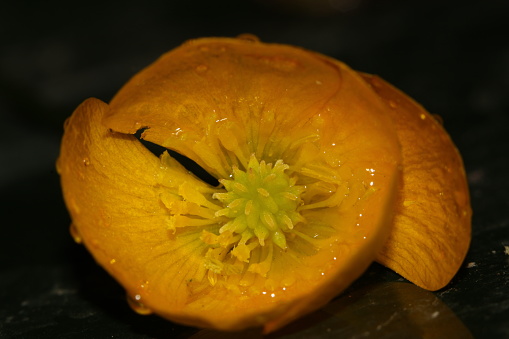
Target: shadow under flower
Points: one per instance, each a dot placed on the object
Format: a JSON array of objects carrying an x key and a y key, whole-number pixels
[{"x": 379, "y": 310}]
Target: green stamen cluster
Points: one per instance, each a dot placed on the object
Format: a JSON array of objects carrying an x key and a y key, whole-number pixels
[{"x": 261, "y": 203}]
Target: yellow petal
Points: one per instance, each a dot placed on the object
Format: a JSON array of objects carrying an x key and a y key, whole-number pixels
[
  {"x": 432, "y": 224},
  {"x": 112, "y": 186},
  {"x": 192, "y": 94}
]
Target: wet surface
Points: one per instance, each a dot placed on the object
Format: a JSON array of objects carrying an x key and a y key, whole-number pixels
[{"x": 452, "y": 57}]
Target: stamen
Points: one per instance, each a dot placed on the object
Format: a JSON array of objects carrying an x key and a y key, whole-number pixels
[
  {"x": 263, "y": 192},
  {"x": 249, "y": 207},
  {"x": 259, "y": 211}
]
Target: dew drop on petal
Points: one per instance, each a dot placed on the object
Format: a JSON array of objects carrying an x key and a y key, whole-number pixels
[
  {"x": 248, "y": 37},
  {"x": 137, "y": 306},
  {"x": 201, "y": 68},
  {"x": 75, "y": 234},
  {"x": 58, "y": 167},
  {"x": 66, "y": 123},
  {"x": 375, "y": 83},
  {"x": 438, "y": 118}
]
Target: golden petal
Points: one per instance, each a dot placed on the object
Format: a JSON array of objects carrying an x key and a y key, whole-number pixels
[
  {"x": 112, "y": 186},
  {"x": 432, "y": 224},
  {"x": 190, "y": 97}
]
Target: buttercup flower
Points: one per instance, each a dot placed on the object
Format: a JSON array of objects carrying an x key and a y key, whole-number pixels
[{"x": 320, "y": 171}]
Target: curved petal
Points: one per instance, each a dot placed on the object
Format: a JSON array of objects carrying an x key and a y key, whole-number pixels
[
  {"x": 219, "y": 100},
  {"x": 117, "y": 193},
  {"x": 432, "y": 224}
]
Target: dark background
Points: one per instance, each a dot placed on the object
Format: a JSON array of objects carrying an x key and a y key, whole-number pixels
[{"x": 451, "y": 56}]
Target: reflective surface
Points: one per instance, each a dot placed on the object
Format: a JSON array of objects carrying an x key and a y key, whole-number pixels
[
  {"x": 383, "y": 310},
  {"x": 451, "y": 57}
]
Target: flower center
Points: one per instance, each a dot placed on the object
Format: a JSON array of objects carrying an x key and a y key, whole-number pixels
[{"x": 261, "y": 204}]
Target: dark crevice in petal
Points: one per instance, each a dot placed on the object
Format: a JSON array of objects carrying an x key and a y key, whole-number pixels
[{"x": 189, "y": 164}]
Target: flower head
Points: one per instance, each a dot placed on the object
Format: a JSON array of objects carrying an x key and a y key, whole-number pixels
[{"x": 309, "y": 156}]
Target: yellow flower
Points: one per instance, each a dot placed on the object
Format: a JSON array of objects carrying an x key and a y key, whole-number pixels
[{"x": 320, "y": 170}]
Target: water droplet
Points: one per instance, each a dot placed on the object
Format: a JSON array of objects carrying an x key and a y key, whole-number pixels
[
  {"x": 58, "y": 166},
  {"x": 375, "y": 82},
  {"x": 66, "y": 123},
  {"x": 438, "y": 118},
  {"x": 407, "y": 203},
  {"x": 248, "y": 37},
  {"x": 282, "y": 63},
  {"x": 73, "y": 206},
  {"x": 81, "y": 175},
  {"x": 137, "y": 306},
  {"x": 112, "y": 261},
  {"x": 423, "y": 116},
  {"x": 75, "y": 234},
  {"x": 86, "y": 161},
  {"x": 201, "y": 68}
]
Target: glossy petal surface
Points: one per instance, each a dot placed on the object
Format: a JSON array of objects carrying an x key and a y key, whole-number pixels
[{"x": 431, "y": 233}]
